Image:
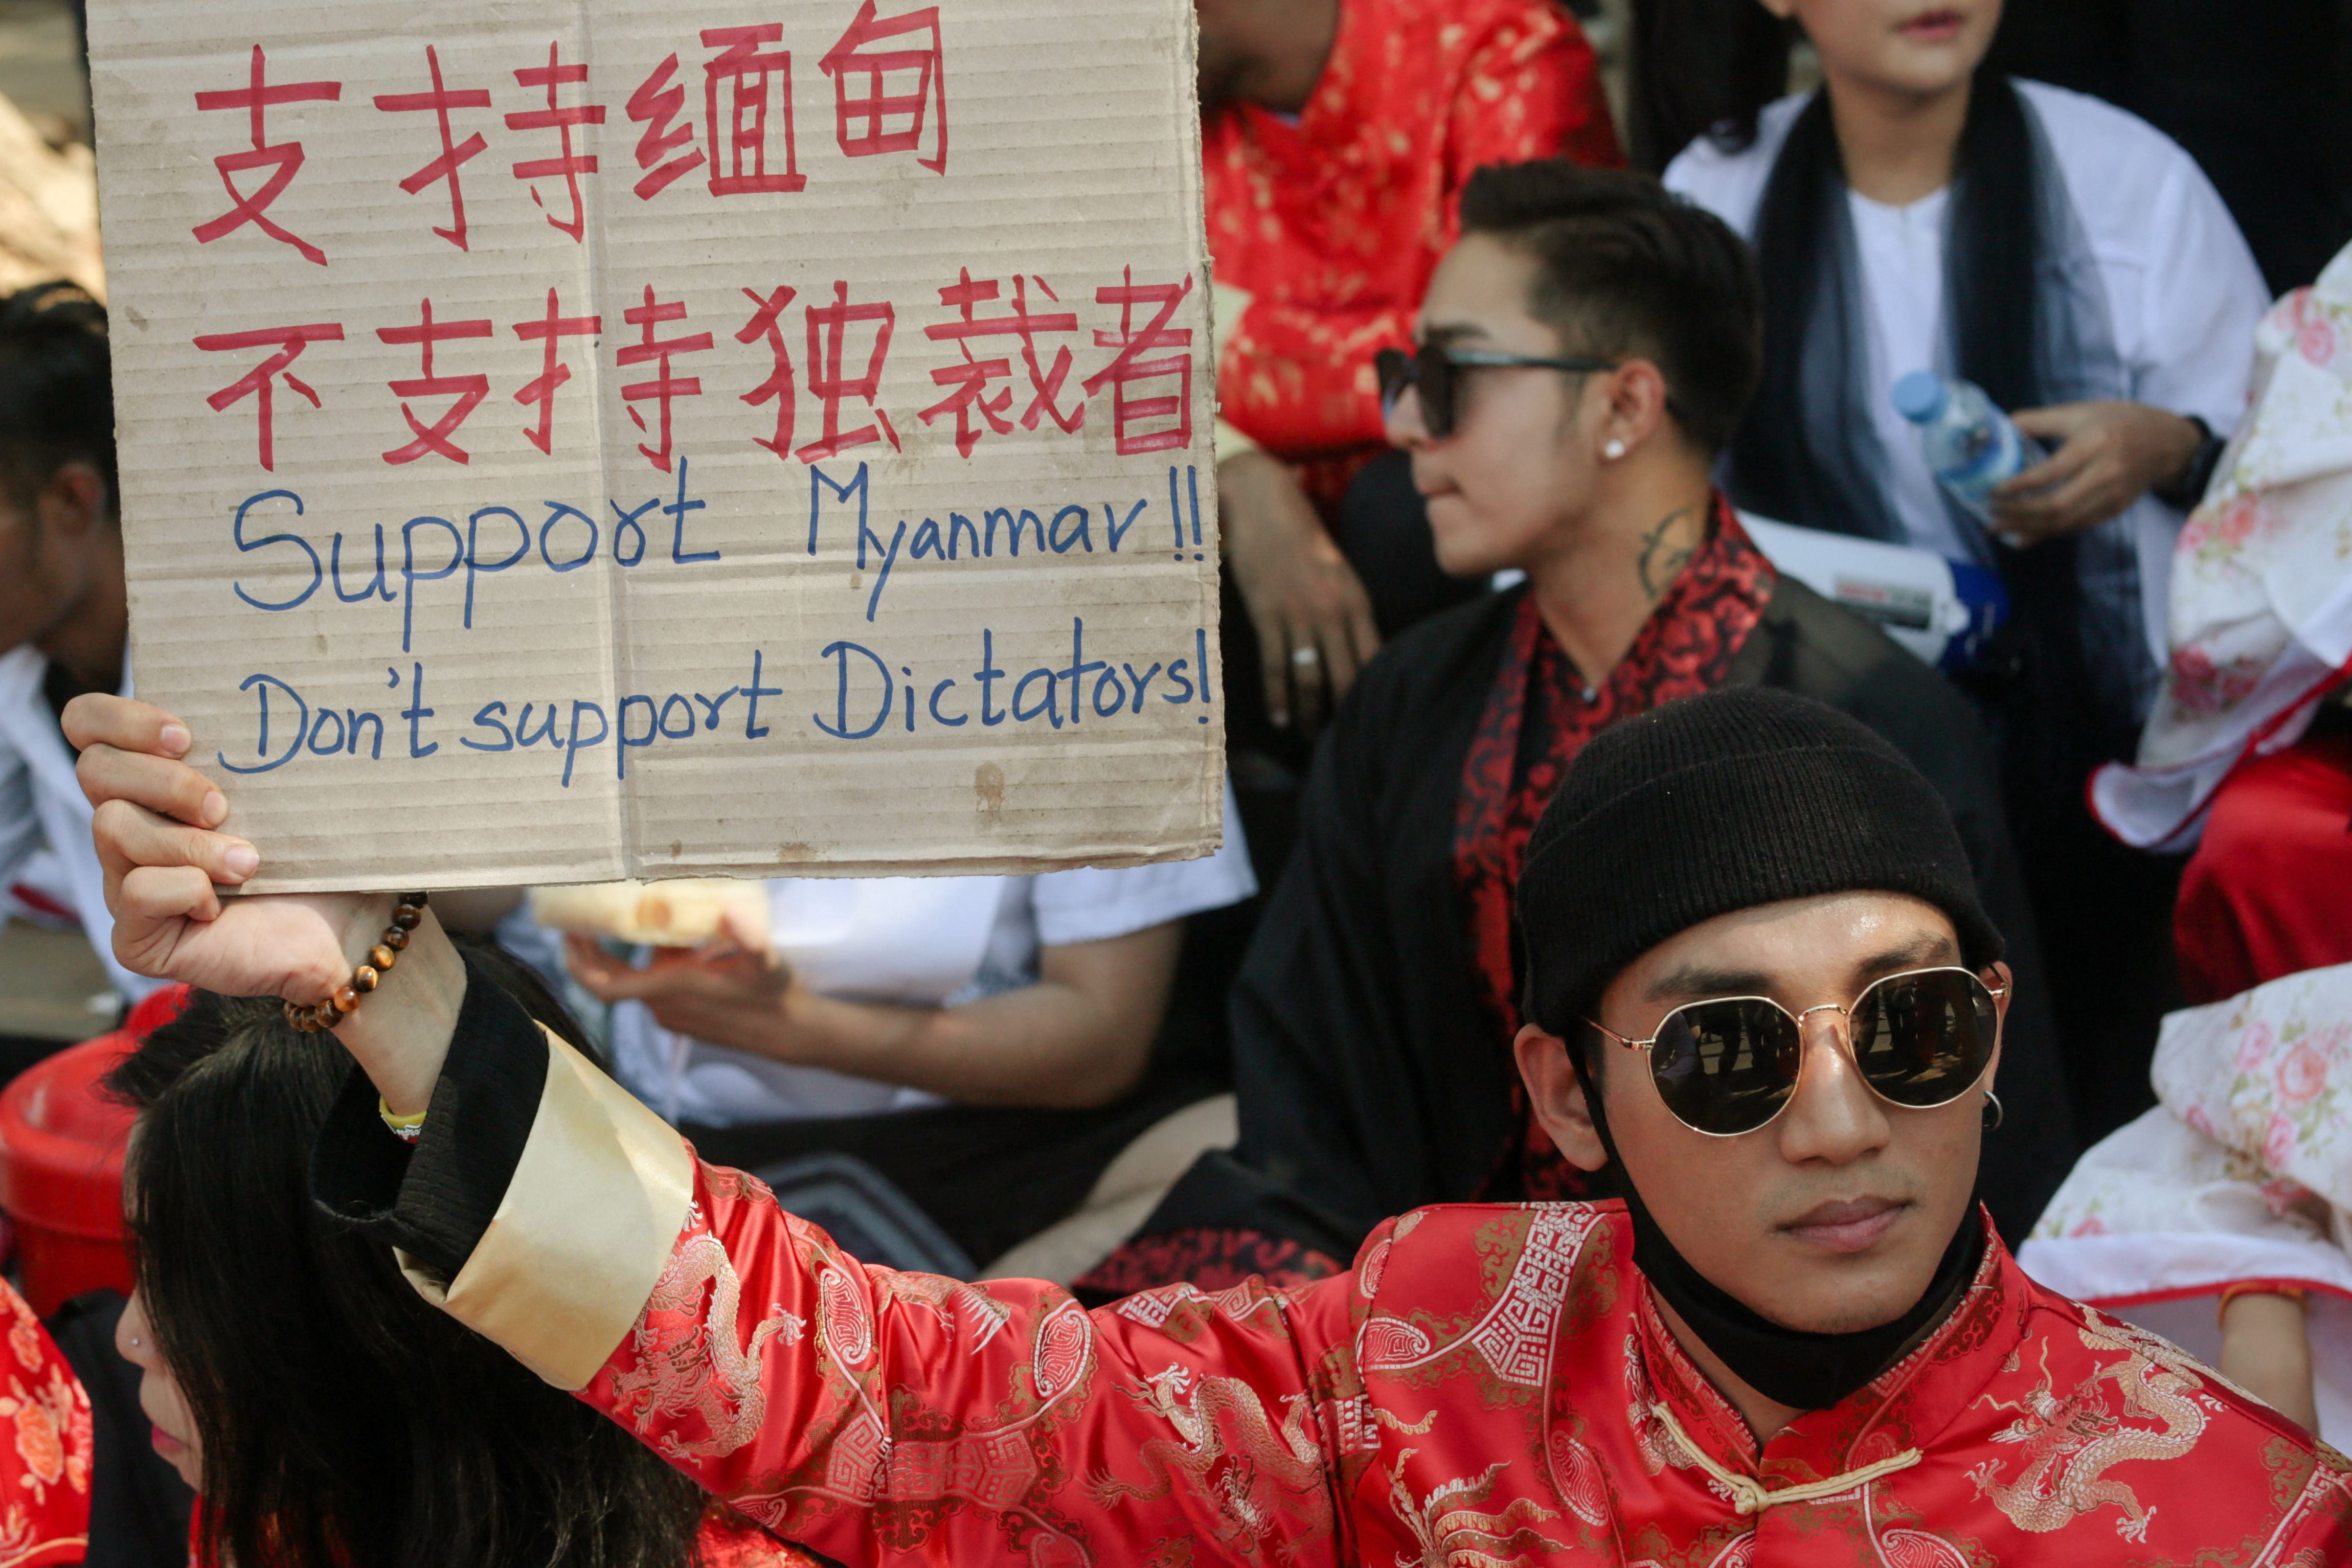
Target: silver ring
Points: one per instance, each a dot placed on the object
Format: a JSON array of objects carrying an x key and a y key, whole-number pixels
[{"x": 1304, "y": 655}]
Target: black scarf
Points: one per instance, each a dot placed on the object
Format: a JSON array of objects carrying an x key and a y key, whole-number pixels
[
  {"x": 2026, "y": 318},
  {"x": 1793, "y": 1366}
]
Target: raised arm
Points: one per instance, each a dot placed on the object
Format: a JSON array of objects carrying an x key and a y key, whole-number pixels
[{"x": 870, "y": 1413}]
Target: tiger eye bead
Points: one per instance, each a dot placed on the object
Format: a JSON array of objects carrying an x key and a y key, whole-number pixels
[
  {"x": 405, "y": 918},
  {"x": 395, "y": 938},
  {"x": 366, "y": 978},
  {"x": 347, "y": 999},
  {"x": 383, "y": 957}
]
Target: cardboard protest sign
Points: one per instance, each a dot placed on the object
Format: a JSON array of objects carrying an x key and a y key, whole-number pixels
[{"x": 575, "y": 439}]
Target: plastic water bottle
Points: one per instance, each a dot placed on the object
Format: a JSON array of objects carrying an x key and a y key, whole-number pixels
[{"x": 1971, "y": 446}]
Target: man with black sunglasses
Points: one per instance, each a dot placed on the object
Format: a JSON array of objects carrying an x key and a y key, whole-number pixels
[
  {"x": 1759, "y": 983},
  {"x": 1583, "y": 353}
]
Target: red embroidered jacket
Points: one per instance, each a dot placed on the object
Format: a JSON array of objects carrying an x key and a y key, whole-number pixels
[
  {"x": 45, "y": 1465},
  {"x": 1490, "y": 1385},
  {"x": 1334, "y": 223}
]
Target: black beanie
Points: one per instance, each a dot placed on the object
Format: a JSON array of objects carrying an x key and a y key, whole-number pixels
[{"x": 1739, "y": 797}]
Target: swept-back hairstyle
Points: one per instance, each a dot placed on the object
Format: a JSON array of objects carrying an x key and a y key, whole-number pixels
[
  {"x": 56, "y": 389},
  {"x": 344, "y": 1422},
  {"x": 1623, "y": 266}
]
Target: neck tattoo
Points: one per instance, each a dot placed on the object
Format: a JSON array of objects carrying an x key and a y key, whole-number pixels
[{"x": 1663, "y": 558}]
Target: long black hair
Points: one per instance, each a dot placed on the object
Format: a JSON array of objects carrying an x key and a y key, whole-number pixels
[
  {"x": 1701, "y": 68},
  {"x": 56, "y": 389},
  {"x": 343, "y": 1421}
]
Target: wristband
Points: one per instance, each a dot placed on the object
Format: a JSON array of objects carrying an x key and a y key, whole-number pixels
[
  {"x": 407, "y": 1129},
  {"x": 2188, "y": 488}
]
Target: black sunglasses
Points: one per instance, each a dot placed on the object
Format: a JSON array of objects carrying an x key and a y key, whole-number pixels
[
  {"x": 1434, "y": 373},
  {"x": 1729, "y": 1065}
]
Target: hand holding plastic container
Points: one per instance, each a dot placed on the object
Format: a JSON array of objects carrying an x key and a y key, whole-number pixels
[{"x": 1970, "y": 445}]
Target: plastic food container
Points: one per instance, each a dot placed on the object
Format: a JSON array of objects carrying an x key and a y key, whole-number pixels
[{"x": 61, "y": 1146}]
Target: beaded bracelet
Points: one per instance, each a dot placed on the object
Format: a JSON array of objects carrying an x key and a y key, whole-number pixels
[{"x": 317, "y": 1016}]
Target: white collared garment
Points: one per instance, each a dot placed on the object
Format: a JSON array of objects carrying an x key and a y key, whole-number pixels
[
  {"x": 2181, "y": 286},
  {"x": 918, "y": 941},
  {"x": 41, "y": 803}
]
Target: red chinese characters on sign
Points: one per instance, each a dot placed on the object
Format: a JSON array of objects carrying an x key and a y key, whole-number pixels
[
  {"x": 767, "y": 322},
  {"x": 283, "y": 158},
  {"x": 1138, "y": 423},
  {"x": 562, "y": 118},
  {"x": 874, "y": 119},
  {"x": 649, "y": 349},
  {"x": 736, "y": 101},
  {"x": 656, "y": 105},
  {"x": 289, "y": 342},
  {"x": 828, "y": 331},
  {"x": 970, "y": 379},
  {"x": 549, "y": 332},
  {"x": 739, "y": 138},
  {"x": 470, "y": 390},
  {"x": 1010, "y": 374},
  {"x": 441, "y": 100}
]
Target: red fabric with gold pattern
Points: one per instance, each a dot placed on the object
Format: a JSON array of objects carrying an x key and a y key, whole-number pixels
[
  {"x": 1538, "y": 717},
  {"x": 1333, "y": 224},
  {"x": 46, "y": 1459},
  {"x": 1483, "y": 1388}
]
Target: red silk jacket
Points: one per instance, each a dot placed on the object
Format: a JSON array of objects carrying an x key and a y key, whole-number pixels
[
  {"x": 1334, "y": 223},
  {"x": 1489, "y": 1386}
]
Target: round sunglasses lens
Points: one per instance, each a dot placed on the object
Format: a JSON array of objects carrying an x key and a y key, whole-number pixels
[
  {"x": 1726, "y": 1067},
  {"x": 1923, "y": 1039}
]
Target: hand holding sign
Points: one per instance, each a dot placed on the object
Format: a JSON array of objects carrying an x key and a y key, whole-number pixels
[{"x": 560, "y": 443}]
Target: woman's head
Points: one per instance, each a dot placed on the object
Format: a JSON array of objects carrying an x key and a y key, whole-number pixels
[
  {"x": 57, "y": 504},
  {"x": 1707, "y": 68},
  {"x": 1902, "y": 48},
  {"x": 1561, "y": 262},
  {"x": 325, "y": 1411}
]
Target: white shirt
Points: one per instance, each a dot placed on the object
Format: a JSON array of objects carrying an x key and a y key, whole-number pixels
[
  {"x": 918, "y": 941},
  {"x": 2181, "y": 286},
  {"x": 41, "y": 802}
]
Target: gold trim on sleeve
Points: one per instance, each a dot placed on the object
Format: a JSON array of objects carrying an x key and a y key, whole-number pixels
[{"x": 584, "y": 1230}]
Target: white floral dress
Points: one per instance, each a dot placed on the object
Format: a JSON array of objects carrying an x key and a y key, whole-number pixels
[{"x": 2242, "y": 1173}]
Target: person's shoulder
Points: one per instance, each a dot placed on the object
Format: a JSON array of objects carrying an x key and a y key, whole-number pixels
[
  {"x": 2116, "y": 162},
  {"x": 1455, "y": 1260},
  {"x": 1839, "y": 645},
  {"x": 1833, "y": 655},
  {"x": 2232, "y": 1429},
  {"x": 1729, "y": 181},
  {"x": 1429, "y": 656}
]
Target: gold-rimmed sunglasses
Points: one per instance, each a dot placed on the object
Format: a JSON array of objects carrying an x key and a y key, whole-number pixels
[{"x": 1728, "y": 1065}]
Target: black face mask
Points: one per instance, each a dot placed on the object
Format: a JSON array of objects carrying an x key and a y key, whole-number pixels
[{"x": 1793, "y": 1366}]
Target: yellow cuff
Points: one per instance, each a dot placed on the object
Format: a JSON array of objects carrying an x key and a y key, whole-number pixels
[{"x": 585, "y": 1229}]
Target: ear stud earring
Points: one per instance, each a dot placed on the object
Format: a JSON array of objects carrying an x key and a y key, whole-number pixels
[{"x": 1614, "y": 450}]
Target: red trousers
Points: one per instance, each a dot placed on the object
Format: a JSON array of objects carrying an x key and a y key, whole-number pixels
[{"x": 2269, "y": 891}]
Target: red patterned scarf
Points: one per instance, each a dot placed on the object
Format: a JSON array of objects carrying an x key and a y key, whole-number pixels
[{"x": 1538, "y": 716}]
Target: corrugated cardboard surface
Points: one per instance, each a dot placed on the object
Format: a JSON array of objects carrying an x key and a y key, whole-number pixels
[{"x": 1071, "y": 160}]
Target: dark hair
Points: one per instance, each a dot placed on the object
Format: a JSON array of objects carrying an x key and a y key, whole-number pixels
[
  {"x": 1701, "y": 68},
  {"x": 57, "y": 390},
  {"x": 345, "y": 1422},
  {"x": 1625, "y": 267}
]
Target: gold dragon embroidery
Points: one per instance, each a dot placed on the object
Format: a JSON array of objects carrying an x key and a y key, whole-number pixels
[
  {"x": 1227, "y": 1451},
  {"x": 2070, "y": 1444},
  {"x": 1452, "y": 1533},
  {"x": 702, "y": 1372}
]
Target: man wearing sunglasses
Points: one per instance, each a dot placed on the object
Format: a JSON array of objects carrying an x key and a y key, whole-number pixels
[
  {"x": 1759, "y": 983},
  {"x": 1584, "y": 352}
]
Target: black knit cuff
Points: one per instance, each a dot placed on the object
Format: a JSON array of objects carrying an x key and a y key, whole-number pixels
[{"x": 434, "y": 1200}]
